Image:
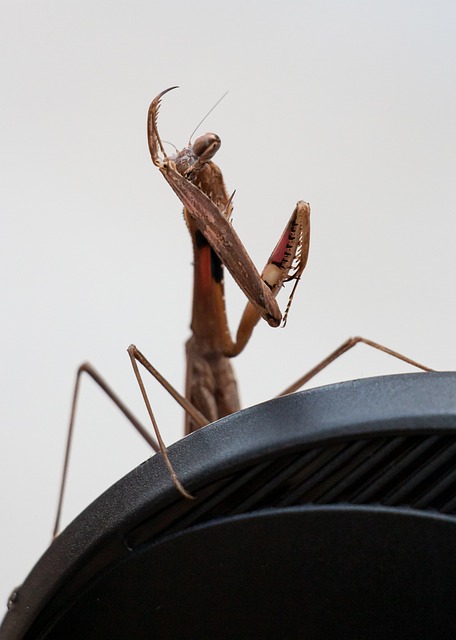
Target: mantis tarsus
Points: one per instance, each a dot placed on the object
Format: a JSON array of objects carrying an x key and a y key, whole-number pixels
[{"x": 211, "y": 390}]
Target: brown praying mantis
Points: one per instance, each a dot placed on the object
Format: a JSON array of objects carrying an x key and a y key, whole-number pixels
[{"x": 211, "y": 390}]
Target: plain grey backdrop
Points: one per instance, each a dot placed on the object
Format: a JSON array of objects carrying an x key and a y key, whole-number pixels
[{"x": 348, "y": 105}]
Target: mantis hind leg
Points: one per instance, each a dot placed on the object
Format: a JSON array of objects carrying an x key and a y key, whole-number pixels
[
  {"x": 344, "y": 347},
  {"x": 156, "y": 445},
  {"x": 88, "y": 369}
]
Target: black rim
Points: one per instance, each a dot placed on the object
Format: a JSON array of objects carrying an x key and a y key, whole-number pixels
[{"x": 379, "y": 446}]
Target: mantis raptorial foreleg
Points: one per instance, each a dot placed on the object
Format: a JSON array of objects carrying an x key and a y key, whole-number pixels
[{"x": 198, "y": 183}]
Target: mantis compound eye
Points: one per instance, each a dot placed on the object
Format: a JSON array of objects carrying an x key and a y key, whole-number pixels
[{"x": 206, "y": 146}]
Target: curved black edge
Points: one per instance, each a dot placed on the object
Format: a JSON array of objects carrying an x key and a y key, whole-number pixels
[
  {"x": 308, "y": 571},
  {"x": 404, "y": 403}
]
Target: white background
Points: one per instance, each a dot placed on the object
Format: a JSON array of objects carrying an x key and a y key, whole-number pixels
[{"x": 348, "y": 105}]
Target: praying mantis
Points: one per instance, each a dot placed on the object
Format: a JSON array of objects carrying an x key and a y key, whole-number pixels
[
  {"x": 211, "y": 390},
  {"x": 198, "y": 182}
]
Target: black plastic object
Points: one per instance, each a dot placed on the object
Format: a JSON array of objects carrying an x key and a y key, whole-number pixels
[{"x": 326, "y": 514}]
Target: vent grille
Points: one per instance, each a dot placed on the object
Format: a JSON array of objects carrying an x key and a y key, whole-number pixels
[{"x": 418, "y": 472}]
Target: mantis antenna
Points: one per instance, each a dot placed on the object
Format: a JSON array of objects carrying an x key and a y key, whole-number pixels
[{"x": 207, "y": 114}]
